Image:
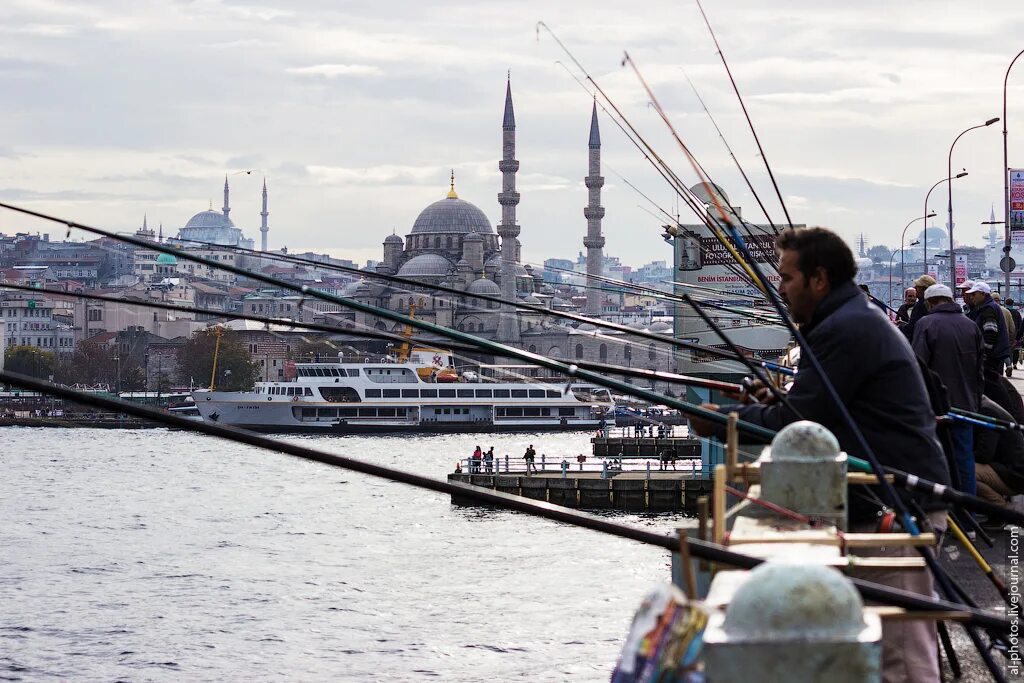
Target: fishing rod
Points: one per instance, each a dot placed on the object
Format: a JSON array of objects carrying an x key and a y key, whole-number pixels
[
  {"x": 746, "y": 114},
  {"x": 698, "y": 548},
  {"x": 739, "y": 167},
  {"x": 979, "y": 417},
  {"x": 887, "y": 489},
  {"x": 565, "y": 315},
  {"x": 482, "y": 344},
  {"x": 712, "y": 290},
  {"x": 669, "y": 175}
]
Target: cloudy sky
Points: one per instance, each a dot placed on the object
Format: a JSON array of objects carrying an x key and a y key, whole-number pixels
[{"x": 356, "y": 111}]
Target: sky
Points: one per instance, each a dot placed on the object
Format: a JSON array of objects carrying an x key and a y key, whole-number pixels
[{"x": 356, "y": 112}]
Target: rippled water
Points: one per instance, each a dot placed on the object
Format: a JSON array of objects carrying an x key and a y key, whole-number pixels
[{"x": 158, "y": 555}]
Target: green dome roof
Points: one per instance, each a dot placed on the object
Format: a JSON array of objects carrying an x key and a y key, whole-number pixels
[{"x": 166, "y": 260}]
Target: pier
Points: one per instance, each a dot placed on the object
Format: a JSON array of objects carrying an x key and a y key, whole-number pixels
[{"x": 595, "y": 485}]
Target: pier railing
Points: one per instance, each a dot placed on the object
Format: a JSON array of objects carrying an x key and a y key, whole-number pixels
[{"x": 571, "y": 465}]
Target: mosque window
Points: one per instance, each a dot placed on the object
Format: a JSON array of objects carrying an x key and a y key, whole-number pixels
[
  {"x": 579, "y": 350},
  {"x": 650, "y": 352},
  {"x": 437, "y": 242},
  {"x": 423, "y": 302},
  {"x": 602, "y": 352},
  {"x": 448, "y": 242},
  {"x": 532, "y": 349},
  {"x": 401, "y": 304},
  {"x": 627, "y": 353}
]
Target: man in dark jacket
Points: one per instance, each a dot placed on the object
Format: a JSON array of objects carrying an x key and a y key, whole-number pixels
[
  {"x": 875, "y": 373},
  {"x": 950, "y": 344},
  {"x": 909, "y": 301},
  {"x": 1018, "y": 322},
  {"x": 999, "y": 456},
  {"x": 919, "y": 310},
  {"x": 988, "y": 315}
]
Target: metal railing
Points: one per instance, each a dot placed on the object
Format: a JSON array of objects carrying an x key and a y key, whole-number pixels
[{"x": 566, "y": 465}]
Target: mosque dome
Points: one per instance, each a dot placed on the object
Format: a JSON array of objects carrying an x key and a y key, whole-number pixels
[
  {"x": 166, "y": 260},
  {"x": 484, "y": 286},
  {"x": 660, "y": 326},
  {"x": 393, "y": 239},
  {"x": 426, "y": 265},
  {"x": 351, "y": 289},
  {"x": 209, "y": 219},
  {"x": 451, "y": 215}
]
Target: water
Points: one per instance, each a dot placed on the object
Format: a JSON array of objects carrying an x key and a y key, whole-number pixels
[{"x": 154, "y": 555}]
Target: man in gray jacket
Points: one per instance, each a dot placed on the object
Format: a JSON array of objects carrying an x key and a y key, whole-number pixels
[{"x": 950, "y": 344}]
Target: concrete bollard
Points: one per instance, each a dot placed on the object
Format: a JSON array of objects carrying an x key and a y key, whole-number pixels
[
  {"x": 604, "y": 469},
  {"x": 795, "y": 623},
  {"x": 805, "y": 471},
  {"x": 565, "y": 469}
]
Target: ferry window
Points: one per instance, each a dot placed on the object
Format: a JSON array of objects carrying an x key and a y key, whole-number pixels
[
  {"x": 367, "y": 412},
  {"x": 353, "y": 373},
  {"x": 308, "y": 413},
  {"x": 309, "y": 392},
  {"x": 447, "y": 411},
  {"x": 446, "y": 393},
  {"x": 499, "y": 412},
  {"x": 501, "y": 393},
  {"x": 531, "y": 412},
  {"x": 437, "y": 411},
  {"x": 519, "y": 393},
  {"x": 566, "y": 412},
  {"x": 372, "y": 393},
  {"x": 536, "y": 393},
  {"x": 327, "y": 412},
  {"x": 545, "y": 411},
  {"x": 399, "y": 412},
  {"x": 385, "y": 412},
  {"x": 514, "y": 412},
  {"x": 347, "y": 412},
  {"x": 464, "y": 393},
  {"x": 484, "y": 393},
  {"x": 392, "y": 393},
  {"x": 410, "y": 393},
  {"x": 343, "y": 394},
  {"x": 554, "y": 394},
  {"x": 428, "y": 393}
]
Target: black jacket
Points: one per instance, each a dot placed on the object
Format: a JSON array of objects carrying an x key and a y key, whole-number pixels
[
  {"x": 1003, "y": 450},
  {"x": 875, "y": 373},
  {"x": 950, "y": 344},
  {"x": 989, "y": 317},
  {"x": 916, "y": 313}
]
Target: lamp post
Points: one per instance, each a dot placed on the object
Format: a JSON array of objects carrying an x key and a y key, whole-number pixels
[
  {"x": 949, "y": 172},
  {"x": 903, "y": 277},
  {"x": 902, "y": 250},
  {"x": 948, "y": 178},
  {"x": 1006, "y": 175}
]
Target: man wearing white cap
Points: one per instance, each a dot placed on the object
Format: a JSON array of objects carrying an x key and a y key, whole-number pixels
[
  {"x": 919, "y": 310},
  {"x": 951, "y": 345},
  {"x": 989, "y": 317}
]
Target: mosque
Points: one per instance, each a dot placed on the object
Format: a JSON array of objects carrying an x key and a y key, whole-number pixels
[
  {"x": 216, "y": 227},
  {"x": 452, "y": 243}
]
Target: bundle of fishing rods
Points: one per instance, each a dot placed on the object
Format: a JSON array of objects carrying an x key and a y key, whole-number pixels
[{"x": 730, "y": 231}]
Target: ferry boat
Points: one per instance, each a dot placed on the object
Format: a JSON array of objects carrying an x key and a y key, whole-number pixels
[{"x": 420, "y": 394}]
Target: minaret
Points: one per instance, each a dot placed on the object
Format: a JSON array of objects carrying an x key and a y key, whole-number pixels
[
  {"x": 594, "y": 212},
  {"x": 508, "y": 198},
  {"x": 160, "y": 238},
  {"x": 264, "y": 228},
  {"x": 227, "y": 204}
]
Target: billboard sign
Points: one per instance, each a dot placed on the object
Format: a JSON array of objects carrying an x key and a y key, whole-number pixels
[{"x": 1016, "y": 199}]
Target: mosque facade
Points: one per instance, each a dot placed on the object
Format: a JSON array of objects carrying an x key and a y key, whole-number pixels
[
  {"x": 453, "y": 243},
  {"x": 216, "y": 227}
]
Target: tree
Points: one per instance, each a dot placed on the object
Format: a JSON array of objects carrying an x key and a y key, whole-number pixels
[
  {"x": 236, "y": 371},
  {"x": 880, "y": 253},
  {"x": 28, "y": 360},
  {"x": 90, "y": 363}
]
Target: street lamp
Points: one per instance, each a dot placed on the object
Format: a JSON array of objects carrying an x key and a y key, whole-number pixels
[
  {"x": 901, "y": 258},
  {"x": 1006, "y": 176},
  {"x": 949, "y": 172},
  {"x": 950, "y": 177},
  {"x": 925, "y": 217}
]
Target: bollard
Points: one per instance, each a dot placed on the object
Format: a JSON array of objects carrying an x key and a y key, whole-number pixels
[
  {"x": 604, "y": 469},
  {"x": 805, "y": 471},
  {"x": 648, "y": 469},
  {"x": 565, "y": 469},
  {"x": 506, "y": 463},
  {"x": 541, "y": 462}
]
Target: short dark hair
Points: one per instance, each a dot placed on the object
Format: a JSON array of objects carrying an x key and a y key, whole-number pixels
[{"x": 819, "y": 248}]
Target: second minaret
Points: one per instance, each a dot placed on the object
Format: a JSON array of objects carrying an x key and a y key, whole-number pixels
[{"x": 594, "y": 212}]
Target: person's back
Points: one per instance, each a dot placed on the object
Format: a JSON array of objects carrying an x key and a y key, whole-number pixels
[{"x": 950, "y": 344}]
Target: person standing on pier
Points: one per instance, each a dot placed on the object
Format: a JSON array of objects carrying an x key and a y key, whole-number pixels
[
  {"x": 876, "y": 376},
  {"x": 489, "y": 460},
  {"x": 474, "y": 464},
  {"x": 529, "y": 457}
]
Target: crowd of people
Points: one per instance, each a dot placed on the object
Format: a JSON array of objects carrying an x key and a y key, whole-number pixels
[{"x": 889, "y": 389}]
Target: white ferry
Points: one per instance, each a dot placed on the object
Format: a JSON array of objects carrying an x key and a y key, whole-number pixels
[{"x": 345, "y": 398}]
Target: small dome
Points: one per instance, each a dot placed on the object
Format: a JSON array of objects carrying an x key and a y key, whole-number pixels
[
  {"x": 484, "y": 286},
  {"x": 209, "y": 219},
  {"x": 351, "y": 288},
  {"x": 530, "y": 299},
  {"x": 473, "y": 237},
  {"x": 660, "y": 326},
  {"x": 791, "y": 600},
  {"x": 451, "y": 215},
  {"x": 393, "y": 239},
  {"x": 804, "y": 440},
  {"x": 426, "y": 265},
  {"x": 166, "y": 260}
]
